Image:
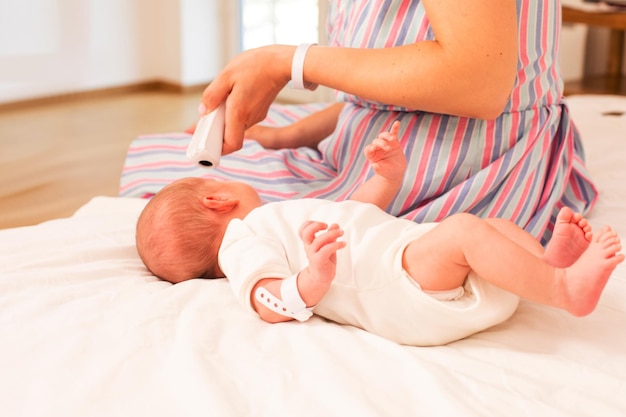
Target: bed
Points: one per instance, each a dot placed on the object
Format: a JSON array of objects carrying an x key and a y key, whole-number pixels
[{"x": 86, "y": 330}]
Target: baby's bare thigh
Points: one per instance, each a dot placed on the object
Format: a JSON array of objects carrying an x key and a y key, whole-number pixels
[{"x": 436, "y": 260}]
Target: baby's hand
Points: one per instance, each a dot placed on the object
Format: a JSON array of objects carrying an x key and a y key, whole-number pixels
[
  {"x": 321, "y": 246},
  {"x": 386, "y": 156}
]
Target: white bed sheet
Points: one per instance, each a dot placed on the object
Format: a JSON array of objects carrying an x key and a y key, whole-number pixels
[{"x": 85, "y": 330}]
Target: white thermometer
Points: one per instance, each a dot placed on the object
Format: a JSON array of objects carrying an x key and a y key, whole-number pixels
[{"x": 205, "y": 147}]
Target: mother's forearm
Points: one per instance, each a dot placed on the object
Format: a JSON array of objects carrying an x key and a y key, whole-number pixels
[{"x": 311, "y": 130}]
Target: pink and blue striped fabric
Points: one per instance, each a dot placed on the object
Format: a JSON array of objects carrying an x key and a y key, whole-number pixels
[{"x": 523, "y": 166}]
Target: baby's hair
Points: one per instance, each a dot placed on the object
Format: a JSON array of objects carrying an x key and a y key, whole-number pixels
[{"x": 175, "y": 239}]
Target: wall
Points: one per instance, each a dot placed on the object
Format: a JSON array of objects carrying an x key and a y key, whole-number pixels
[
  {"x": 50, "y": 47},
  {"x": 209, "y": 38},
  {"x": 572, "y": 52},
  {"x": 597, "y": 52}
]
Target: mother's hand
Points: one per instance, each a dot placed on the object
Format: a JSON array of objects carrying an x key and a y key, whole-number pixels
[{"x": 249, "y": 84}]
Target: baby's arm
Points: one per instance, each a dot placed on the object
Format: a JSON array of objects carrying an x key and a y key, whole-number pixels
[
  {"x": 321, "y": 245},
  {"x": 387, "y": 158}
]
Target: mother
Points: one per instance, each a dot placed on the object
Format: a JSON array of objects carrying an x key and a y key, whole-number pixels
[{"x": 476, "y": 85}]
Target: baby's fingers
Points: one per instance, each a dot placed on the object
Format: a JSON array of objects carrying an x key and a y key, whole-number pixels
[
  {"x": 382, "y": 144},
  {"x": 330, "y": 249},
  {"x": 327, "y": 237},
  {"x": 392, "y": 134},
  {"x": 386, "y": 136},
  {"x": 309, "y": 229},
  {"x": 376, "y": 150},
  {"x": 395, "y": 129}
]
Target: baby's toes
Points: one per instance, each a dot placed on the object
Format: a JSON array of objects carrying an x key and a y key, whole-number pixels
[
  {"x": 610, "y": 242},
  {"x": 601, "y": 235}
]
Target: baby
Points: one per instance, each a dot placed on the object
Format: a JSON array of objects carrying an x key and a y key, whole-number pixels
[{"x": 352, "y": 263}]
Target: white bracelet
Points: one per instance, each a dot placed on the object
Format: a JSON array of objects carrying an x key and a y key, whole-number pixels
[
  {"x": 297, "y": 69},
  {"x": 291, "y": 305}
]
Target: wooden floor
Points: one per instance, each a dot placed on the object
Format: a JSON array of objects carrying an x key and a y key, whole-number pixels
[{"x": 54, "y": 157}]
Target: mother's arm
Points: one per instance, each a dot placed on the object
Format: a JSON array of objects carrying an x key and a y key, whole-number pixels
[
  {"x": 469, "y": 70},
  {"x": 308, "y": 131}
]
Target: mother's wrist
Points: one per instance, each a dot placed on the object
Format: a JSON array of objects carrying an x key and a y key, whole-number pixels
[{"x": 297, "y": 68}]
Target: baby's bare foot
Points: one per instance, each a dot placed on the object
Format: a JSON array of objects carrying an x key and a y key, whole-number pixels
[
  {"x": 570, "y": 238},
  {"x": 586, "y": 278}
]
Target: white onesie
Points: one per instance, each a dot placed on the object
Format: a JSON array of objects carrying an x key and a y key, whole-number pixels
[{"x": 371, "y": 290}]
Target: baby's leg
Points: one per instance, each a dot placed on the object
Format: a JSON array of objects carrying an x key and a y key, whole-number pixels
[
  {"x": 443, "y": 257},
  {"x": 517, "y": 234},
  {"x": 434, "y": 261},
  {"x": 571, "y": 237}
]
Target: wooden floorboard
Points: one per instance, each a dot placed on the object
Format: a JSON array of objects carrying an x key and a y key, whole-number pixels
[{"x": 55, "y": 156}]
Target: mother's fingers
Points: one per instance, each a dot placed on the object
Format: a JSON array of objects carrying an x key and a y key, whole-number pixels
[
  {"x": 248, "y": 84},
  {"x": 234, "y": 128},
  {"x": 214, "y": 95}
]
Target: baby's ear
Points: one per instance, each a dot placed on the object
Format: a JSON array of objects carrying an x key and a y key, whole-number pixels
[{"x": 220, "y": 205}]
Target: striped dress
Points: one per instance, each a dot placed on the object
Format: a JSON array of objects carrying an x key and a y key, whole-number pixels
[{"x": 523, "y": 166}]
